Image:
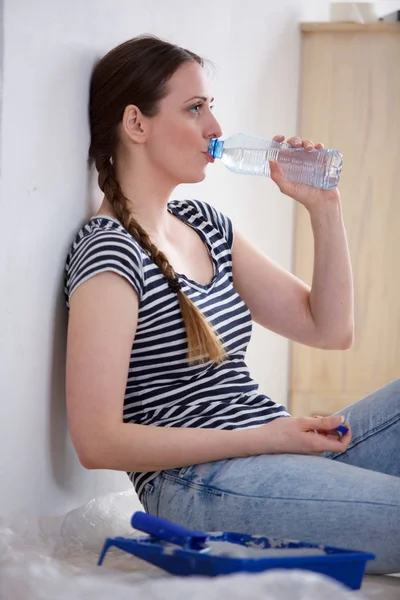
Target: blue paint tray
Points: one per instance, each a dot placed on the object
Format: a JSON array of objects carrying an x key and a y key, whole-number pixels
[{"x": 181, "y": 551}]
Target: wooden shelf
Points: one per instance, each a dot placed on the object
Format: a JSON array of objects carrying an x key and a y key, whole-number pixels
[
  {"x": 349, "y": 98},
  {"x": 348, "y": 27}
]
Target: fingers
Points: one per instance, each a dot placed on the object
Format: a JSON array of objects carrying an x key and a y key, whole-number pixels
[
  {"x": 329, "y": 440},
  {"x": 336, "y": 433},
  {"x": 286, "y": 187},
  {"x": 297, "y": 142},
  {"x": 323, "y": 424},
  {"x": 297, "y": 191},
  {"x": 321, "y": 443},
  {"x": 276, "y": 171}
]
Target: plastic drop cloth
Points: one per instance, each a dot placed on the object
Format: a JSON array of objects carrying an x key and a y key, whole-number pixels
[{"x": 54, "y": 558}]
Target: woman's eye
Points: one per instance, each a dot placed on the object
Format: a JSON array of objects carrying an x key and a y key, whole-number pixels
[{"x": 196, "y": 108}]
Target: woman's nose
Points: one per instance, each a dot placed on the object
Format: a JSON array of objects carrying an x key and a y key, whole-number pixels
[{"x": 214, "y": 128}]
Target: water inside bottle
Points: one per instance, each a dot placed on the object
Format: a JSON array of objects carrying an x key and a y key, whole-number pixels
[{"x": 319, "y": 168}]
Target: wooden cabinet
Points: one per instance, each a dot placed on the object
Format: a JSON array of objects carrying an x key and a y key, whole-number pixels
[{"x": 350, "y": 100}]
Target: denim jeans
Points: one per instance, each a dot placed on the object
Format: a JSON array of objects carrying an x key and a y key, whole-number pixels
[{"x": 350, "y": 500}]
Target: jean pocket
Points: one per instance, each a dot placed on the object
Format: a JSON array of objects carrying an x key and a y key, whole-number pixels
[{"x": 148, "y": 490}]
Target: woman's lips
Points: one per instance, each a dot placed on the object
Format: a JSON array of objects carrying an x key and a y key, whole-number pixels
[{"x": 208, "y": 156}]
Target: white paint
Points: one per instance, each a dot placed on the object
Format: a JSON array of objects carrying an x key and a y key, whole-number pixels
[{"x": 49, "y": 50}]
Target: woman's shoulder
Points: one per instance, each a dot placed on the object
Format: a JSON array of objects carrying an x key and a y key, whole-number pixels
[
  {"x": 100, "y": 245},
  {"x": 104, "y": 241},
  {"x": 103, "y": 230},
  {"x": 200, "y": 209},
  {"x": 200, "y": 213}
]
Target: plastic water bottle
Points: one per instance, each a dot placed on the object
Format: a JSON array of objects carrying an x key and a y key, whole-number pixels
[{"x": 249, "y": 155}]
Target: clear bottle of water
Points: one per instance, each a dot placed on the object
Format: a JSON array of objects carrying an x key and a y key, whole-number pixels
[{"x": 250, "y": 155}]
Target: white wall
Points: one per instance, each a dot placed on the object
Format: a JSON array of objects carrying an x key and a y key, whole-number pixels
[{"x": 49, "y": 51}]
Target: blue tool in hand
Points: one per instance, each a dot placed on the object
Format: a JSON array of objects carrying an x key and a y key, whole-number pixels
[{"x": 342, "y": 429}]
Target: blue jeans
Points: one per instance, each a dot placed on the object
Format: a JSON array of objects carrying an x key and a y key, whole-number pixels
[{"x": 350, "y": 500}]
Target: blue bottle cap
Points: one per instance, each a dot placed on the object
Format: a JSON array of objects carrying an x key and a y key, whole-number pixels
[{"x": 216, "y": 148}]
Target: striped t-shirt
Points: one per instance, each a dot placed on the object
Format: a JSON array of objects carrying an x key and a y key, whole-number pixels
[{"x": 162, "y": 388}]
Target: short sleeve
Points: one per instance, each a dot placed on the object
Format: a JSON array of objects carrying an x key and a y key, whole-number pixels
[
  {"x": 97, "y": 250},
  {"x": 219, "y": 220}
]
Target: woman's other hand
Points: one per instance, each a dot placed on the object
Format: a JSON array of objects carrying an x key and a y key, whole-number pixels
[{"x": 299, "y": 435}]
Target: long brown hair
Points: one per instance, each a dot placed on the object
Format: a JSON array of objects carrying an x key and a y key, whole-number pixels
[{"x": 136, "y": 72}]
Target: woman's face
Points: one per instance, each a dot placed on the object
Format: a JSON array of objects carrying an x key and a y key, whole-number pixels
[{"x": 179, "y": 134}]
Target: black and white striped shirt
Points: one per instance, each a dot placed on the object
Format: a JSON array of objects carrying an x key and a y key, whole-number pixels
[{"x": 162, "y": 389}]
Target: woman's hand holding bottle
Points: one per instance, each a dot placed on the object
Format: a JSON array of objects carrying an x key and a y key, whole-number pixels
[{"x": 307, "y": 195}]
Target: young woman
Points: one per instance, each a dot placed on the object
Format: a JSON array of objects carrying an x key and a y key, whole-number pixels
[{"x": 161, "y": 296}]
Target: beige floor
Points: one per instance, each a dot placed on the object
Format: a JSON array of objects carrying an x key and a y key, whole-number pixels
[{"x": 381, "y": 587}]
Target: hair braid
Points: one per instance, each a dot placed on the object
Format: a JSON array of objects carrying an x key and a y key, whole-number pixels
[{"x": 203, "y": 343}]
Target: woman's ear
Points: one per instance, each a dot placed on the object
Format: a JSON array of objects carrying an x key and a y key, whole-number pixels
[{"x": 134, "y": 124}]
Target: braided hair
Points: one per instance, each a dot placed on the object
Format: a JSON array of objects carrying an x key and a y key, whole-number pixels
[{"x": 136, "y": 72}]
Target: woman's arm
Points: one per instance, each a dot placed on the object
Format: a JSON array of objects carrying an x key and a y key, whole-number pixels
[
  {"x": 101, "y": 329},
  {"x": 320, "y": 316},
  {"x": 331, "y": 297}
]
